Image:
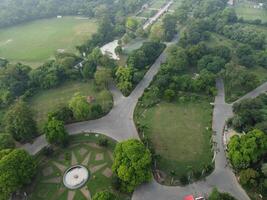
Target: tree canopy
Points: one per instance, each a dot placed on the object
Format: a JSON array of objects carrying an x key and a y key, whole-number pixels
[
  {"x": 17, "y": 168},
  {"x": 105, "y": 195},
  {"x": 132, "y": 162},
  {"x": 19, "y": 122},
  {"x": 247, "y": 149}
]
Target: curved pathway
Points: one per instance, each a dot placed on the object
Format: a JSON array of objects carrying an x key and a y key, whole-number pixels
[{"x": 119, "y": 125}]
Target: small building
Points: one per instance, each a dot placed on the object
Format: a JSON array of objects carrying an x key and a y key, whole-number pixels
[{"x": 59, "y": 16}]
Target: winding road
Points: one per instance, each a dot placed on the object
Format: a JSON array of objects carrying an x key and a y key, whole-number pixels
[{"x": 119, "y": 125}]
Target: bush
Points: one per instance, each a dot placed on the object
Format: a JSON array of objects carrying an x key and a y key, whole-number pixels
[
  {"x": 6, "y": 141},
  {"x": 184, "y": 179},
  {"x": 104, "y": 196},
  {"x": 102, "y": 142}
]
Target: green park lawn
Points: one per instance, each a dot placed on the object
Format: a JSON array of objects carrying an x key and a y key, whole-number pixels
[
  {"x": 247, "y": 11},
  {"x": 46, "y": 101},
  {"x": 83, "y": 150},
  {"x": 34, "y": 42},
  {"x": 178, "y": 133}
]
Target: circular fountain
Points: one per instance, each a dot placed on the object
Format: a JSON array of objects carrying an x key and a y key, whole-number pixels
[{"x": 75, "y": 177}]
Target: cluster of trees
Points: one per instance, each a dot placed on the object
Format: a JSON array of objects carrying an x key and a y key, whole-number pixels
[
  {"x": 250, "y": 113},
  {"x": 132, "y": 165},
  {"x": 238, "y": 81},
  {"x": 245, "y": 34},
  {"x": 137, "y": 63},
  {"x": 164, "y": 31},
  {"x": 246, "y": 154},
  {"x": 17, "y": 168},
  {"x": 17, "y": 11}
]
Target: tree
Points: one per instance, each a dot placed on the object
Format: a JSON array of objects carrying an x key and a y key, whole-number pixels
[
  {"x": 55, "y": 132},
  {"x": 79, "y": 106},
  {"x": 103, "y": 77},
  {"x": 104, "y": 196},
  {"x": 19, "y": 122},
  {"x": 169, "y": 27},
  {"x": 216, "y": 195},
  {"x": 169, "y": 95},
  {"x": 264, "y": 169},
  {"x": 89, "y": 69},
  {"x": 124, "y": 78},
  {"x": 156, "y": 33},
  {"x": 247, "y": 149},
  {"x": 131, "y": 24},
  {"x": 248, "y": 177},
  {"x": 6, "y": 141},
  {"x": 17, "y": 168},
  {"x": 132, "y": 162}
]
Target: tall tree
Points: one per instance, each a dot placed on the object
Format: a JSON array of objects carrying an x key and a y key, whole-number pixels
[
  {"x": 17, "y": 168},
  {"x": 19, "y": 122},
  {"x": 132, "y": 162}
]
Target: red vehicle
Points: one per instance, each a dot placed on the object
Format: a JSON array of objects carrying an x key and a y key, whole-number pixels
[{"x": 191, "y": 197}]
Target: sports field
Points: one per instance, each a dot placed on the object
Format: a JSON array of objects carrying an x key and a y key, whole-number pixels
[{"x": 34, "y": 42}]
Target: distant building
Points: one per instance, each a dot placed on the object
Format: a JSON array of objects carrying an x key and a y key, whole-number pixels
[
  {"x": 231, "y": 2},
  {"x": 59, "y": 16}
]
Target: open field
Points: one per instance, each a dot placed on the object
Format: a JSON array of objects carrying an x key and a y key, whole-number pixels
[
  {"x": 47, "y": 100},
  {"x": 34, "y": 42},
  {"x": 84, "y": 151},
  {"x": 178, "y": 133},
  {"x": 247, "y": 11}
]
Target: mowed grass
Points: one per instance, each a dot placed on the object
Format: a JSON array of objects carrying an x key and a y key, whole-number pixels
[
  {"x": 33, "y": 43},
  {"x": 82, "y": 147},
  {"x": 178, "y": 132},
  {"x": 248, "y": 12},
  {"x": 48, "y": 100}
]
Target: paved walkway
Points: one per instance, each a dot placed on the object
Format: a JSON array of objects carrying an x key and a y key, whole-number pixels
[
  {"x": 160, "y": 12},
  {"x": 119, "y": 125}
]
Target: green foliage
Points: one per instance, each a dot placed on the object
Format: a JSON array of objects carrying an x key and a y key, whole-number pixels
[
  {"x": 145, "y": 55},
  {"x": 169, "y": 95},
  {"x": 17, "y": 168},
  {"x": 89, "y": 69},
  {"x": 216, "y": 195},
  {"x": 19, "y": 122},
  {"x": 238, "y": 80},
  {"x": 248, "y": 177},
  {"x": 62, "y": 113},
  {"x": 79, "y": 106},
  {"x": 212, "y": 63},
  {"x": 102, "y": 77},
  {"x": 124, "y": 78},
  {"x": 132, "y": 162},
  {"x": 104, "y": 196},
  {"x": 247, "y": 149},
  {"x": 55, "y": 132},
  {"x": 169, "y": 27},
  {"x": 131, "y": 24},
  {"x": 6, "y": 141},
  {"x": 264, "y": 169}
]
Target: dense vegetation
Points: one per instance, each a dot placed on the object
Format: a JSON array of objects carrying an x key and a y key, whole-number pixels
[
  {"x": 132, "y": 162},
  {"x": 17, "y": 168},
  {"x": 138, "y": 63},
  {"x": 15, "y": 11}
]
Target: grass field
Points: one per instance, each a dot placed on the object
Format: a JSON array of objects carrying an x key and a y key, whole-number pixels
[
  {"x": 178, "y": 132},
  {"x": 246, "y": 10},
  {"x": 47, "y": 100},
  {"x": 83, "y": 150},
  {"x": 34, "y": 42}
]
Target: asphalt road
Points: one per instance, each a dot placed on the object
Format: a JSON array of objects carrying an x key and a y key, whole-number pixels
[{"x": 119, "y": 125}]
